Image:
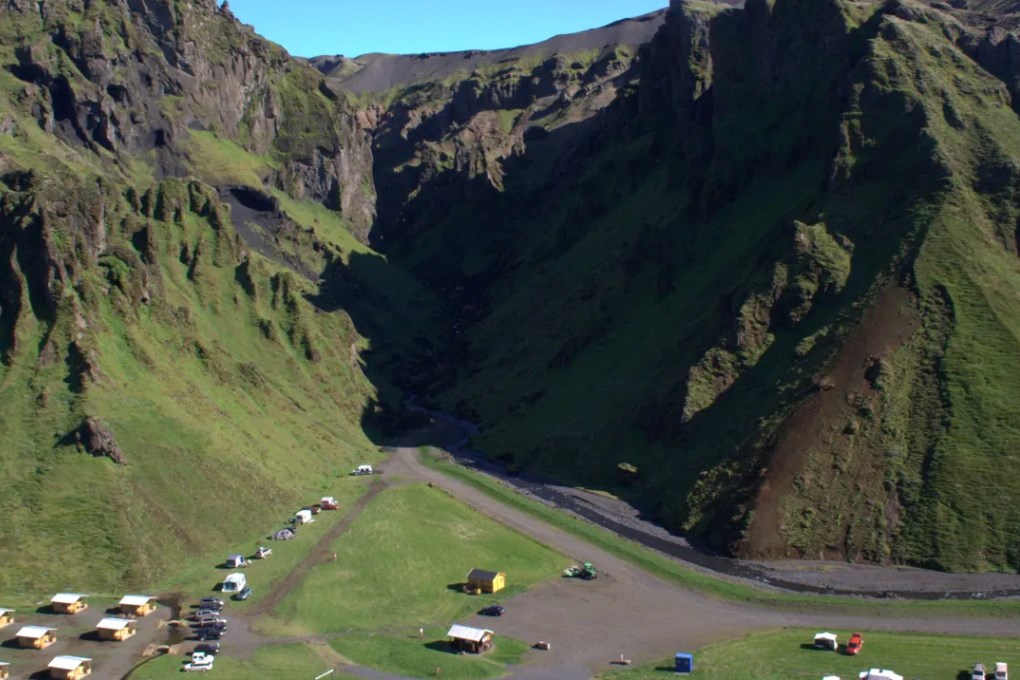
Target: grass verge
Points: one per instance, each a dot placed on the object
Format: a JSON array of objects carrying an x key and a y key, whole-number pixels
[
  {"x": 407, "y": 655},
  {"x": 787, "y": 654}
]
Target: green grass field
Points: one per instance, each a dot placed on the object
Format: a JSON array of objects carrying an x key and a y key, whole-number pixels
[
  {"x": 399, "y": 565},
  {"x": 782, "y": 655},
  {"x": 200, "y": 578},
  {"x": 418, "y": 657},
  {"x": 288, "y": 661},
  {"x": 666, "y": 568}
]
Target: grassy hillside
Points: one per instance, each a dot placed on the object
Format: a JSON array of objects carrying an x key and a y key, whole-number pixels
[
  {"x": 214, "y": 363},
  {"x": 781, "y": 291}
]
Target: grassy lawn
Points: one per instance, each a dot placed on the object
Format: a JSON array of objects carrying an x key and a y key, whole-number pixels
[
  {"x": 399, "y": 564},
  {"x": 668, "y": 569},
  {"x": 781, "y": 655},
  {"x": 412, "y": 655},
  {"x": 290, "y": 661},
  {"x": 204, "y": 575}
]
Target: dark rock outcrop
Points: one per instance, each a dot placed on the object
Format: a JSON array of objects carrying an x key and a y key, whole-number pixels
[{"x": 98, "y": 440}]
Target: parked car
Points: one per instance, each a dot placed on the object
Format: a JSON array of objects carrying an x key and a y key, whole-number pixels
[
  {"x": 263, "y": 552},
  {"x": 212, "y": 622},
  {"x": 202, "y": 657},
  {"x": 1001, "y": 671},
  {"x": 314, "y": 509},
  {"x": 329, "y": 503},
  {"x": 362, "y": 470},
  {"x": 211, "y": 603},
  {"x": 209, "y": 648},
  {"x": 204, "y": 613},
  {"x": 195, "y": 667},
  {"x": 979, "y": 672},
  {"x": 205, "y": 634},
  {"x": 492, "y": 610},
  {"x": 244, "y": 594},
  {"x": 853, "y": 647}
]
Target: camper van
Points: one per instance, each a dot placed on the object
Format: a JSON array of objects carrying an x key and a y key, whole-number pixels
[
  {"x": 303, "y": 516},
  {"x": 362, "y": 470},
  {"x": 235, "y": 561},
  {"x": 234, "y": 583}
]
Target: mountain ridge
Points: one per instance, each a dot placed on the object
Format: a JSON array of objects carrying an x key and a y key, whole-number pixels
[{"x": 767, "y": 259}]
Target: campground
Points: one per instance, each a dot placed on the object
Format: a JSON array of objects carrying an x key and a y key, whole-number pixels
[{"x": 404, "y": 541}]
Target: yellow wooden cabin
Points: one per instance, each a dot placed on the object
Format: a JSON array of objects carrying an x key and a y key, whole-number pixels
[
  {"x": 137, "y": 605},
  {"x": 70, "y": 667},
  {"x": 5, "y": 670},
  {"x": 35, "y": 637},
  {"x": 115, "y": 629},
  {"x": 6, "y": 617},
  {"x": 482, "y": 581},
  {"x": 69, "y": 603}
]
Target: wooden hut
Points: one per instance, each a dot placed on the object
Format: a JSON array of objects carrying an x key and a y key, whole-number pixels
[
  {"x": 137, "y": 605},
  {"x": 5, "y": 670},
  {"x": 115, "y": 629},
  {"x": 6, "y": 617},
  {"x": 36, "y": 637},
  {"x": 467, "y": 639},
  {"x": 482, "y": 581},
  {"x": 70, "y": 667},
  {"x": 69, "y": 603}
]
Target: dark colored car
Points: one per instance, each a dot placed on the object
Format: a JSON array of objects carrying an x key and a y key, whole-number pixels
[
  {"x": 207, "y": 648},
  {"x": 244, "y": 594},
  {"x": 211, "y": 603},
  {"x": 492, "y": 610},
  {"x": 208, "y": 634}
]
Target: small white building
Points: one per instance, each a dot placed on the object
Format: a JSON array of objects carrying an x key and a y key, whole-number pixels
[
  {"x": 234, "y": 583},
  {"x": 303, "y": 516}
]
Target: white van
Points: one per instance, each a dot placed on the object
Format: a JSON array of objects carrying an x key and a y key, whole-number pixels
[
  {"x": 1001, "y": 671},
  {"x": 303, "y": 516},
  {"x": 362, "y": 470},
  {"x": 234, "y": 583}
]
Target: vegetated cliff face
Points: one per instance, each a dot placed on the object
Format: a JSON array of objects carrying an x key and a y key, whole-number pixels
[
  {"x": 769, "y": 259},
  {"x": 180, "y": 279},
  {"x": 774, "y": 273}
]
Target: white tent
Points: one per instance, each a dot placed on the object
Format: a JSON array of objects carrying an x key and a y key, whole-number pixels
[
  {"x": 825, "y": 640},
  {"x": 876, "y": 674}
]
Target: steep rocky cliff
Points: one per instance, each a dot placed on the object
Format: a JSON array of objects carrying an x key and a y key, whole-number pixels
[
  {"x": 746, "y": 277},
  {"x": 765, "y": 256}
]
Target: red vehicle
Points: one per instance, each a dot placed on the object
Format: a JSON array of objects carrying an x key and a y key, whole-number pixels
[
  {"x": 853, "y": 647},
  {"x": 329, "y": 503}
]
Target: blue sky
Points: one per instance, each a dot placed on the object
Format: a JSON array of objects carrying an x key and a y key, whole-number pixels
[{"x": 309, "y": 28}]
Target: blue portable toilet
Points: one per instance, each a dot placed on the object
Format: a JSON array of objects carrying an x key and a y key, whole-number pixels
[{"x": 684, "y": 663}]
